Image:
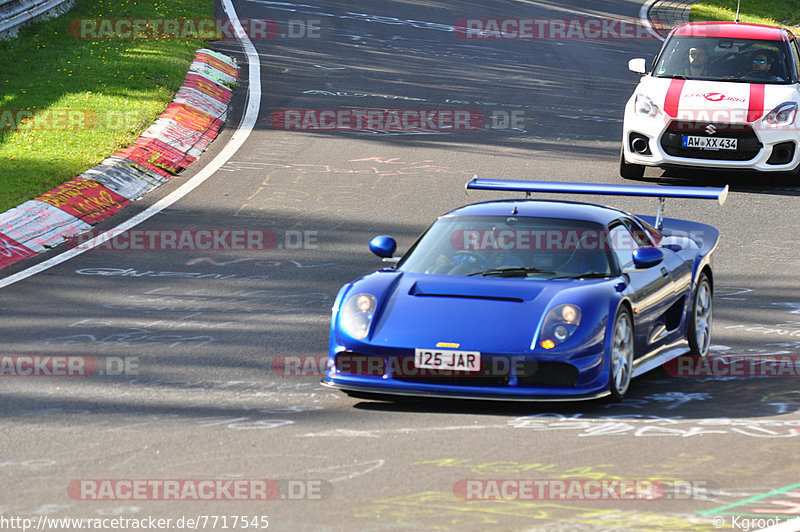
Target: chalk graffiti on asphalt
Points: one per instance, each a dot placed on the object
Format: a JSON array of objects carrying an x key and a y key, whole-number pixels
[
  {"x": 443, "y": 511},
  {"x": 672, "y": 399},
  {"x": 507, "y": 467},
  {"x": 260, "y": 262},
  {"x": 783, "y": 502},
  {"x": 131, "y": 272},
  {"x": 132, "y": 336},
  {"x": 645, "y": 425}
]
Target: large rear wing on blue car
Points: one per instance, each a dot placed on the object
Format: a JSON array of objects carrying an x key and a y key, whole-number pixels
[{"x": 564, "y": 187}]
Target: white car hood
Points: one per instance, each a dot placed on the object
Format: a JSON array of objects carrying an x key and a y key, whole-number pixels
[{"x": 715, "y": 101}]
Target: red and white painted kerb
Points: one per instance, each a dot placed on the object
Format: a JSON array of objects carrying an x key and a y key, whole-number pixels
[{"x": 171, "y": 144}]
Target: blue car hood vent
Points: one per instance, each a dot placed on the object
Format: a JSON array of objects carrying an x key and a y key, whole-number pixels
[{"x": 496, "y": 290}]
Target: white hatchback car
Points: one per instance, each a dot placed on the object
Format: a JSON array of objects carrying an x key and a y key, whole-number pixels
[{"x": 721, "y": 95}]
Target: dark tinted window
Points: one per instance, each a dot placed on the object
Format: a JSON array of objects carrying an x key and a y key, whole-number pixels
[
  {"x": 747, "y": 60},
  {"x": 524, "y": 246}
]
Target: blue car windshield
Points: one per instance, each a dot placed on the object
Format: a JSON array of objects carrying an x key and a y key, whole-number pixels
[
  {"x": 510, "y": 246},
  {"x": 717, "y": 59}
]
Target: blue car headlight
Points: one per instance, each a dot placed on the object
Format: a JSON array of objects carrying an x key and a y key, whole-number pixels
[
  {"x": 357, "y": 313},
  {"x": 559, "y": 324}
]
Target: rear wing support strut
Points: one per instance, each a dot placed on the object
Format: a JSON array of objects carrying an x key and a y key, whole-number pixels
[{"x": 662, "y": 201}]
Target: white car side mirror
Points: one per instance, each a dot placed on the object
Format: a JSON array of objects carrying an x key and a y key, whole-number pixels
[{"x": 638, "y": 65}]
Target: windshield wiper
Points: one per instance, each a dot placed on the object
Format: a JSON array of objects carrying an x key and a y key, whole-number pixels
[
  {"x": 514, "y": 271},
  {"x": 590, "y": 275},
  {"x": 730, "y": 79}
]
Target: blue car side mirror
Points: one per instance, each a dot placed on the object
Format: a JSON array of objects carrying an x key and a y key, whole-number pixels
[
  {"x": 647, "y": 257},
  {"x": 383, "y": 246}
]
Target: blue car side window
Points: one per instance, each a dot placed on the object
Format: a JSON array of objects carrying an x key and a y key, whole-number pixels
[{"x": 622, "y": 244}]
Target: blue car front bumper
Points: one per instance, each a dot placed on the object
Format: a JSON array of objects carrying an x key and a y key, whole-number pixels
[{"x": 581, "y": 375}]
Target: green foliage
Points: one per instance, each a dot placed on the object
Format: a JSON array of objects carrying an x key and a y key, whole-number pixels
[
  {"x": 109, "y": 89},
  {"x": 770, "y": 12}
]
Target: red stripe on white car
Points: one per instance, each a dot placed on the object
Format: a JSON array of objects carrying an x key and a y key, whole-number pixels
[
  {"x": 756, "y": 106},
  {"x": 673, "y": 99}
]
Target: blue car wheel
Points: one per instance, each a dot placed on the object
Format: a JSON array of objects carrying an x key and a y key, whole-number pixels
[
  {"x": 700, "y": 323},
  {"x": 621, "y": 354}
]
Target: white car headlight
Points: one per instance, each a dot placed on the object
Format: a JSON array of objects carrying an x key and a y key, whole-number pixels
[
  {"x": 357, "y": 313},
  {"x": 559, "y": 324},
  {"x": 783, "y": 115},
  {"x": 645, "y": 106}
]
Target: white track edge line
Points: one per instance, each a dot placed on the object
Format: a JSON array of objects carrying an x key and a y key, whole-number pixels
[{"x": 643, "y": 16}]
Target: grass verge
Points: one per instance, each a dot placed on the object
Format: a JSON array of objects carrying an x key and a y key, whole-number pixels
[
  {"x": 770, "y": 12},
  {"x": 89, "y": 98}
]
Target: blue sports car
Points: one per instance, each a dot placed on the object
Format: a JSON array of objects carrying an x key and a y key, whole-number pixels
[{"x": 528, "y": 299}]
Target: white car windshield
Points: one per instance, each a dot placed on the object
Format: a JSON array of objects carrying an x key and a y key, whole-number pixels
[{"x": 708, "y": 58}]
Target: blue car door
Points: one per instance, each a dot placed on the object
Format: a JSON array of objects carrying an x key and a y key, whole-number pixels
[{"x": 658, "y": 294}]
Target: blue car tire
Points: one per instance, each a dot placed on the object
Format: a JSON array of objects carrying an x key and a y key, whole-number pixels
[
  {"x": 621, "y": 363},
  {"x": 700, "y": 319}
]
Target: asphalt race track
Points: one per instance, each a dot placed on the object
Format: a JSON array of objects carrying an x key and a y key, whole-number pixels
[{"x": 210, "y": 357}]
